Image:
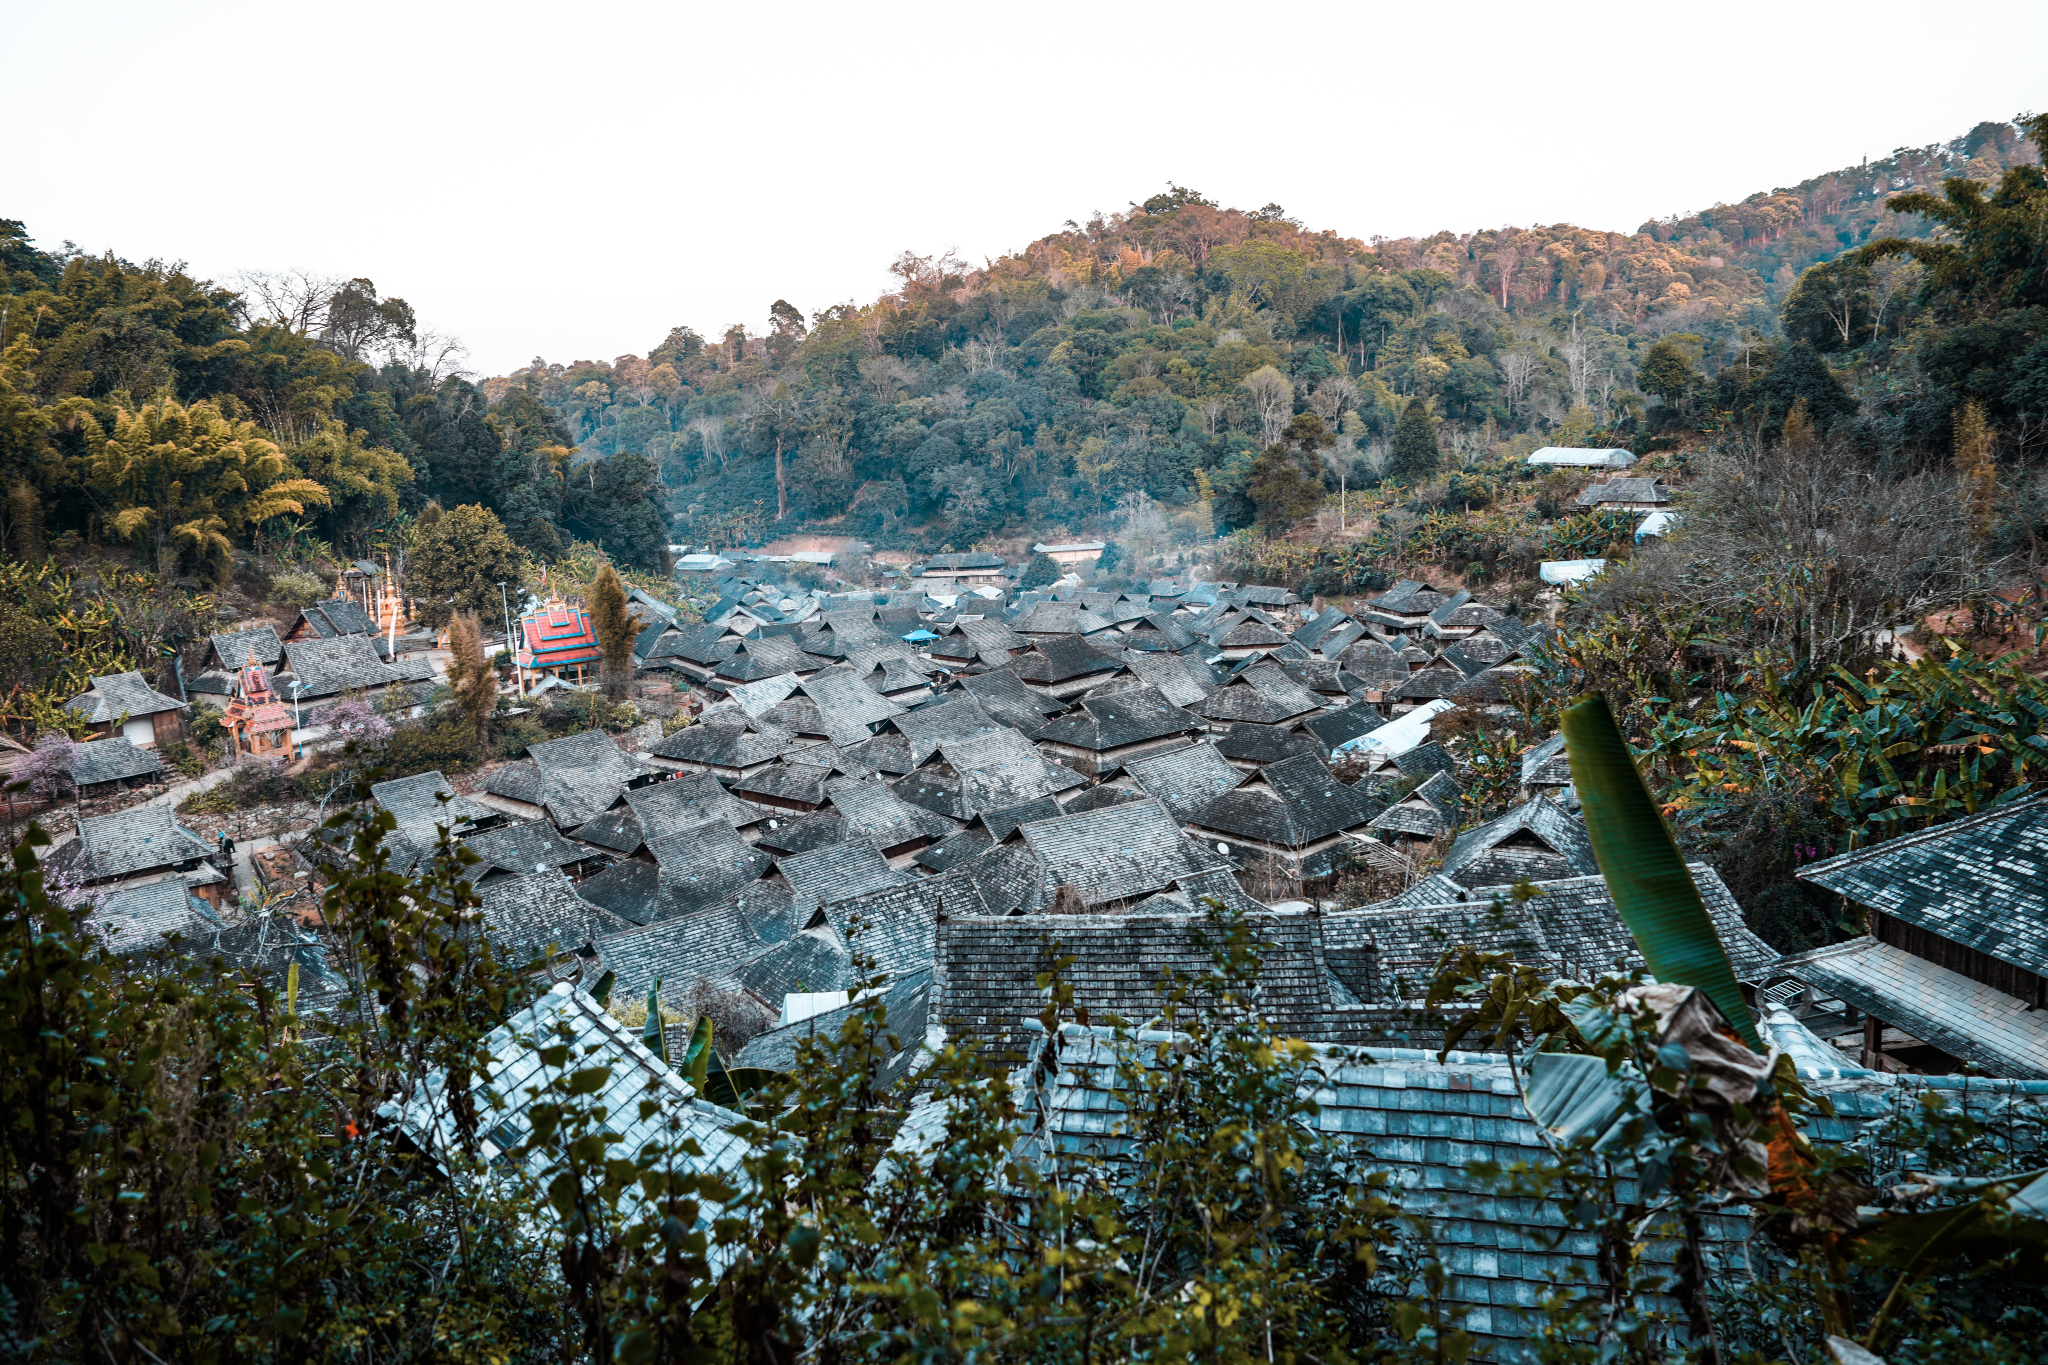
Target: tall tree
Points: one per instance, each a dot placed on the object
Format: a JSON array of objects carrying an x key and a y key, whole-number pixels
[
  {"x": 470, "y": 676},
  {"x": 615, "y": 630},
  {"x": 1415, "y": 454},
  {"x": 458, "y": 563}
]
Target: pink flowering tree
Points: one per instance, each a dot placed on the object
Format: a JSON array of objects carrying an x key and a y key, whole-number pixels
[
  {"x": 47, "y": 769},
  {"x": 354, "y": 719}
]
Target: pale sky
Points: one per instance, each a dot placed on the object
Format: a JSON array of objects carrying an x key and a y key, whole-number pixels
[{"x": 572, "y": 181}]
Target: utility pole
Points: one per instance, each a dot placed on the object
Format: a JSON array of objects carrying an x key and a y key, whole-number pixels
[{"x": 511, "y": 645}]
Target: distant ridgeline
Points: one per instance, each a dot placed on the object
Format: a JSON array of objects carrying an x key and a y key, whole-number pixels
[
  {"x": 1125, "y": 372},
  {"x": 1157, "y": 351}
]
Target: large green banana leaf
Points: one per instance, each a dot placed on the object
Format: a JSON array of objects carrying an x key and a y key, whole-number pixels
[
  {"x": 1649, "y": 881},
  {"x": 2007, "y": 1214}
]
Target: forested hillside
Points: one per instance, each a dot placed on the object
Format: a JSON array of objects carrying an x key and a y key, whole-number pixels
[
  {"x": 1159, "y": 350},
  {"x": 1145, "y": 357}
]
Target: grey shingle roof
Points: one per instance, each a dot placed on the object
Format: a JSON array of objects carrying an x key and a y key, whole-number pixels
[
  {"x": 135, "y": 918},
  {"x": 898, "y": 925},
  {"x": 788, "y": 786},
  {"x": 518, "y": 780},
  {"x": 1064, "y": 660},
  {"x": 1427, "y": 812},
  {"x": 1009, "y": 878},
  {"x": 1980, "y": 882},
  {"x": 711, "y": 943},
  {"x": 847, "y": 706},
  {"x": 837, "y": 872},
  {"x": 127, "y": 843},
  {"x": 1538, "y": 840},
  {"x": 1546, "y": 764},
  {"x": 904, "y": 1009},
  {"x": 815, "y": 960},
  {"x": 1331, "y": 728},
  {"x": 1624, "y": 490},
  {"x": 956, "y": 848},
  {"x": 1181, "y": 678},
  {"x": 645, "y": 1101},
  {"x": 985, "y": 974},
  {"x": 702, "y": 865},
  {"x": 334, "y": 664},
  {"x": 1253, "y": 745},
  {"x": 233, "y": 652},
  {"x": 112, "y": 760},
  {"x": 531, "y": 914},
  {"x": 682, "y": 802},
  {"x": 1000, "y": 820},
  {"x": 1425, "y": 759},
  {"x": 995, "y": 771},
  {"x": 954, "y": 717},
  {"x": 336, "y": 617},
  {"x": 1434, "y": 1125},
  {"x": 1292, "y": 803},
  {"x": 582, "y": 775},
  {"x": 1184, "y": 779},
  {"x": 120, "y": 694},
  {"x": 629, "y": 889},
  {"x": 1116, "y": 854},
  {"x": 1104, "y": 723},
  {"x": 1009, "y": 700},
  {"x": 522, "y": 848},
  {"x": 1969, "y": 1021},
  {"x": 415, "y": 803}
]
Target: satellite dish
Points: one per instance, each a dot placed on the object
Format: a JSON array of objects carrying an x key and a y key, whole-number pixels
[
  {"x": 1223, "y": 848},
  {"x": 773, "y": 825}
]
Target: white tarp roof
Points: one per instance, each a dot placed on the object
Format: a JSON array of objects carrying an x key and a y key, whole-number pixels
[
  {"x": 1398, "y": 736},
  {"x": 1656, "y": 524},
  {"x": 1569, "y": 570},
  {"x": 1583, "y": 458}
]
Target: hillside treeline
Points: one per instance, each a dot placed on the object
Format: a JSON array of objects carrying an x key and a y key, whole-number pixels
[
  {"x": 138, "y": 404},
  {"x": 1158, "y": 351}
]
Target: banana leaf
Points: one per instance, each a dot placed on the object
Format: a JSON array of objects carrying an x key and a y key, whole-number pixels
[
  {"x": 1651, "y": 886},
  {"x": 602, "y": 991},
  {"x": 697, "y": 1060},
  {"x": 2006, "y": 1214}
]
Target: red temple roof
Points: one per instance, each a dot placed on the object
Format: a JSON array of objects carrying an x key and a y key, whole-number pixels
[{"x": 560, "y": 634}]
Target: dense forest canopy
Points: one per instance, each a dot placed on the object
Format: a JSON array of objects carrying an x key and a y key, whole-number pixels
[{"x": 1140, "y": 361}]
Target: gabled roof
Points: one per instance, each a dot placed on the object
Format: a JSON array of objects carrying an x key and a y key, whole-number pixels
[
  {"x": 1261, "y": 694},
  {"x": 953, "y": 718},
  {"x": 628, "y": 888},
  {"x": 645, "y": 1101},
  {"x": 329, "y": 665},
  {"x": 416, "y": 804},
  {"x": 730, "y": 741},
  {"x": 1427, "y": 812},
  {"x": 1538, "y": 840},
  {"x": 135, "y": 918},
  {"x": 1331, "y": 728},
  {"x": 1181, "y": 678},
  {"x": 521, "y": 848},
  {"x": 336, "y": 617},
  {"x": 1546, "y": 764},
  {"x": 112, "y": 760},
  {"x": 847, "y": 706},
  {"x": 126, "y": 843},
  {"x": 1425, "y": 758},
  {"x": 2001, "y": 1034},
  {"x": 1120, "y": 853},
  {"x": 1184, "y": 779},
  {"x": 781, "y": 784},
  {"x": 532, "y": 915},
  {"x": 684, "y": 802},
  {"x": 1443, "y": 614},
  {"x": 1009, "y": 700},
  {"x": 1000, "y": 820},
  {"x": 898, "y": 925},
  {"x": 1292, "y": 803},
  {"x": 582, "y": 775},
  {"x": 1104, "y": 723},
  {"x": 714, "y": 942},
  {"x": 1980, "y": 882},
  {"x": 1401, "y": 598},
  {"x": 995, "y": 771},
  {"x": 837, "y": 872},
  {"x": 1319, "y": 627},
  {"x": 1428, "y": 683},
  {"x": 985, "y": 981},
  {"x": 120, "y": 694},
  {"x": 1252, "y": 743},
  {"x": 1064, "y": 659},
  {"x": 1246, "y": 632},
  {"x": 258, "y": 645},
  {"x": 702, "y": 865}
]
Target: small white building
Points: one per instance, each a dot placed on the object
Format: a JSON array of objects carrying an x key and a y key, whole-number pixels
[
  {"x": 1073, "y": 552},
  {"x": 1574, "y": 457},
  {"x": 1562, "y": 571}
]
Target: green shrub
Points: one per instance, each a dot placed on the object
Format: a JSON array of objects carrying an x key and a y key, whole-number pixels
[
  {"x": 449, "y": 746},
  {"x": 297, "y": 588}
]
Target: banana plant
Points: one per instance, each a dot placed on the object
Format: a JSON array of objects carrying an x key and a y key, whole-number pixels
[{"x": 654, "y": 1035}]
